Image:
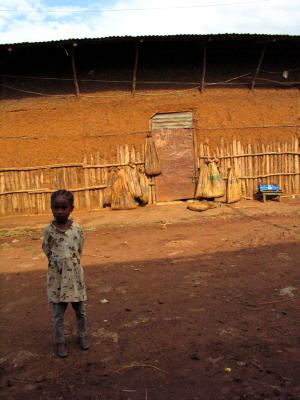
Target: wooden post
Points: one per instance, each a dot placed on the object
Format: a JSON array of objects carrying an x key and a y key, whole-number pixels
[
  {"x": 259, "y": 65},
  {"x": 136, "y": 60},
  {"x": 86, "y": 183},
  {"x": 203, "y": 67},
  {"x": 74, "y": 71},
  {"x": 296, "y": 166}
]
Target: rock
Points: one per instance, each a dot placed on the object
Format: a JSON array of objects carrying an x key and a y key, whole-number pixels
[
  {"x": 276, "y": 391},
  {"x": 241, "y": 363},
  {"x": 105, "y": 334},
  {"x": 23, "y": 356},
  {"x": 287, "y": 291}
]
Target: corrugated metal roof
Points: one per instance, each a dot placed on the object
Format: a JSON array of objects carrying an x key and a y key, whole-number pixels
[
  {"x": 223, "y": 36},
  {"x": 172, "y": 120}
]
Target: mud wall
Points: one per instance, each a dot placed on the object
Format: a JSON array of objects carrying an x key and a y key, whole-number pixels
[{"x": 42, "y": 131}]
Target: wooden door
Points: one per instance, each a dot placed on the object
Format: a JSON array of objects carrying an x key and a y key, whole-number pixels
[{"x": 175, "y": 148}]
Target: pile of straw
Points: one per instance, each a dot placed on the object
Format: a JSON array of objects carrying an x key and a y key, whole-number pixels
[
  {"x": 133, "y": 180},
  {"x": 107, "y": 191},
  {"x": 121, "y": 194},
  {"x": 198, "y": 207},
  {"x": 145, "y": 188}
]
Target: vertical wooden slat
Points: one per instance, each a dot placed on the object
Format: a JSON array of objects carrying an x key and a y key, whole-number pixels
[
  {"x": 296, "y": 165},
  {"x": 86, "y": 184},
  {"x": 100, "y": 197},
  {"x": 275, "y": 165},
  {"x": 234, "y": 152},
  {"x": 255, "y": 167},
  {"x": 290, "y": 178},
  {"x": 126, "y": 154},
  {"x": 279, "y": 165},
  {"x": 286, "y": 168},
  {"x": 2, "y": 197},
  {"x": 273, "y": 179},
  {"x": 266, "y": 163},
  {"x": 284, "y": 183},
  {"x": 241, "y": 171},
  {"x": 249, "y": 171},
  {"x": 98, "y": 170},
  {"x": 76, "y": 200},
  {"x": 290, "y": 167}
]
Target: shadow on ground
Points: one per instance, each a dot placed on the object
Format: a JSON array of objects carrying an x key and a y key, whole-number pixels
[{"x": 207, "y": 327}]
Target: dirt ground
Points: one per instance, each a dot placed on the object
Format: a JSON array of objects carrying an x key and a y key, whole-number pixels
[{"x": 199, "y": 306}]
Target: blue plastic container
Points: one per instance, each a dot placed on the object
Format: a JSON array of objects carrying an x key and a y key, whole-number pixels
[{"x": 269, "y": 188}]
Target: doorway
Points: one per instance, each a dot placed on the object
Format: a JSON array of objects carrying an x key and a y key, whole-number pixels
[{"x": 174, "y": 139}]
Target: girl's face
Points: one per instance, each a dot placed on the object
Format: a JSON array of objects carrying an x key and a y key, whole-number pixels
[{"x": 61, "y": 209}]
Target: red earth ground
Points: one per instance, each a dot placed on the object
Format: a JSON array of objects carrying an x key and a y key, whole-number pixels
[{"x": 200, "y": 306}]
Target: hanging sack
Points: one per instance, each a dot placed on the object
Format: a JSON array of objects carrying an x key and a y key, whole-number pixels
[
  {"x": 152, "y": 166},
  {"x": 202, "y": 180},
  {"x": 215, "y": 186},
  {"x": 233, "y": 190}
]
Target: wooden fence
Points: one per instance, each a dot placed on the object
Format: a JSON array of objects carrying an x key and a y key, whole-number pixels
[
  {"x": 27, "y": 190},
  {"x": 277, "y": 163}
]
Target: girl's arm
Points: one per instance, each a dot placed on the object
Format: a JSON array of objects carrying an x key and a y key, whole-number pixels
[
  {"x": 45, "y": 243},
  {"x": 81, "y": 241}
]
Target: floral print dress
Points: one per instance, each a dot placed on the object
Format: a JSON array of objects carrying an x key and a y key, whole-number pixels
[{"x": 65, "y": 279}]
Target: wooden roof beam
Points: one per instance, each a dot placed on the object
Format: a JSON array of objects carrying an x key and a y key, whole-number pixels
[
  {"x": 136, "y": 61},
  {"x": 77, "y": 92},
  {"x": 259, "y": 65},
  {"x": 203, "y": 68}
]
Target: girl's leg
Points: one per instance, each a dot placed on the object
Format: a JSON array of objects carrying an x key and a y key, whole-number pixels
[
  {"x": 79, "y": 308},
  {"x": 58, "y": 322}
]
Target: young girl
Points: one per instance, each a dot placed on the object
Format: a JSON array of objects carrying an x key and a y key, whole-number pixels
[{"x": 62, "y": 244}]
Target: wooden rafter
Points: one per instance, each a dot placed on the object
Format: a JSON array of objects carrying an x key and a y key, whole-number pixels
[
  {"x": 203, "y": 67},
  {"x": 136, "y": 61},
  {"x": 259, "y": 65},
  {"x": 77, "y": 92}
]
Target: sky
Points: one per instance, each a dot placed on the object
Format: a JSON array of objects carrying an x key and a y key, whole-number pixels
[{"x": 45, "y": 20}]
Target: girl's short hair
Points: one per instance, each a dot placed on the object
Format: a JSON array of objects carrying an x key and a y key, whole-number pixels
[{"x": 64, "y": 193}]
